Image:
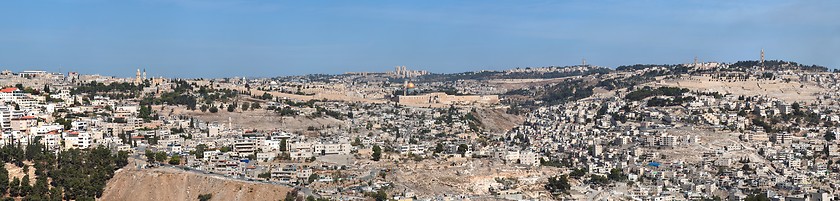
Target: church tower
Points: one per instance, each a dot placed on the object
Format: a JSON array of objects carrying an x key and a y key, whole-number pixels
[{"x": 137, "y": 78}]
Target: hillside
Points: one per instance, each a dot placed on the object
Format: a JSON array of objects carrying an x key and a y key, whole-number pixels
[{"x": 172, "y": 184}]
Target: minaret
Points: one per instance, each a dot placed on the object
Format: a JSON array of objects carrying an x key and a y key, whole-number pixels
[
  {"x": 762, "y": 57},
  {"x": 144, "y": 74},
  {"x": 405, "y": 88},
  {"x": 584, "y": 62}
]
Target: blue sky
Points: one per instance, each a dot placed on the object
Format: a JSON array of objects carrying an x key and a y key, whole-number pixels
[{"x": 225, "y": 38}]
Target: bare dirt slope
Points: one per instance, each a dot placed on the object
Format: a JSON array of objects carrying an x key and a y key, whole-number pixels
[
  {"x": 170, "y": 184},
  {"x": 496, "y": 120}
]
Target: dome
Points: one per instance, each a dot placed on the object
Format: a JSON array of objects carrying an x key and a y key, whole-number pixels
[{"x": 410, "y": 85}]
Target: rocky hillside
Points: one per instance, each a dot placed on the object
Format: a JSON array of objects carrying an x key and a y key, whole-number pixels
[{"x": 172, "y": 184}]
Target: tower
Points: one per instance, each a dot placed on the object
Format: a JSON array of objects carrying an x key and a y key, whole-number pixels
[
  {"x": 762, "y": 57},
  {"x": 405, "y": 88},
  {"x": 584, "y": 62},
  {"x": 137, "y": 78},
  {"x": 144, "y": 74}
]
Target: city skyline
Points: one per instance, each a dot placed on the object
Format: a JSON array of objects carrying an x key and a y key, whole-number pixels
[{"x": 188, "y": 38}]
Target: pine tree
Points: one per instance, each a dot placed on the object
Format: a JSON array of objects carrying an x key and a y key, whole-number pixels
[{"x": 4, "y": 180}]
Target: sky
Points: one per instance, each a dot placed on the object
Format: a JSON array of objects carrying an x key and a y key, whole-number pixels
[{"x": 228, "y": 38}]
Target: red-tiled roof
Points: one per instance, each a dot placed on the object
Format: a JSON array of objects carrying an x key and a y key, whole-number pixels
[
  {"x": 9, "y": 90},
  {"x": 28, "y": 117}
]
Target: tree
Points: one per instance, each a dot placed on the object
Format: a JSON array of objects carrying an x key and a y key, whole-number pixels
[
  {"x": 214, "y": 109},
  {"x": 377, "y": 153},
  {"x": 245, "y": 106},
  {"x": 380, "y": 195},
  {"x": 175, "y": 160},
  {"x": 462, "y": 149},
  {"x": 617, "y": 174},
  {"x": 231, "y": 107},
  {"x": 25, "y": 187},
  {"x": 150, "y": 156},
  {"x": 291, "y": 196},
  {"x": 145, "y": 112},
  {"x": 578, "y": 173},
  {"x": 41, "y": 186},
  {"x": 121, "y": 159},
  {"x": 829, "y": 136},
  {"x": 313, "y": 177},
  {"x": 204, "y": 108},
  {"x": 558, "y": 184},
  {"x": 14, "y": 187},
  {"x": 56, "y": 194},
  {"x": 4, "y": 180},
  {"x": 598, "y": 179},
  {"x": 282, "y": 144},
  {"x": 160, "y": 157},
  {"x": 438, "y": 148},
  {"x": 256, "y": 105},
  {"x": 205, "y": 197},
  {"x": 199, "y": 150},
  {"x": 757, "y": 197}
]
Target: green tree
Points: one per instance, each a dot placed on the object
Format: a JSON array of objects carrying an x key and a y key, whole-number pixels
[
  {"x": 41, "y": 186},
  {"x": 150, "y": 156},
  {"x": 617, "y": 174},
  {"x": 380, "y": 195},
  {"x": 4, "y": 180},
  {"x": 438, "y": 148},
  {"x": 205, "y": 197},
  {"x": 213, "y": 109},
  {"x": 291, "y": 196},
  {"x": 282, "y": 144},
  {"x": 462, "y": 149},
  {"x": 25, "y": 186},
  {"x": 558, "y": 185},
  {"x": 175, "y": 160},
  {"x": 14, "y": 187},
  {"x": 245, "y": 106},
  {"x": 199, "y": 151},
  {"x": 56, "y": 194},
  {"x": 121, "y": 159},
  {"x": 312, "y": 178},
  {"x": 757, "y": 197},
  {"x": 145, "y": 112},
  {"x": 231, "y": 107},
  {"x": 377, "y": 153},
  {"x": 256, "y": 105},
  {"x": 160, "y": 157}
]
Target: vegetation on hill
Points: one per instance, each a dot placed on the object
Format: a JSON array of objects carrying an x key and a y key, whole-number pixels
[
  {"x": 70, "y": 175},
  {"x": 778, "y": 65},
  {"x": 488, "y": 75}
]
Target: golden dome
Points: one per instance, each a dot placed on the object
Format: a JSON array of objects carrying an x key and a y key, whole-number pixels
[{"x": 410, "y": 85}]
